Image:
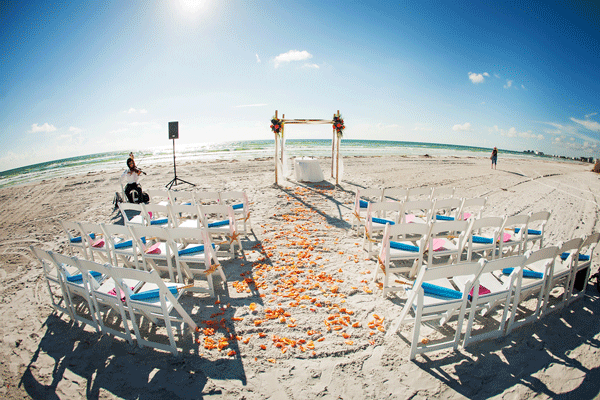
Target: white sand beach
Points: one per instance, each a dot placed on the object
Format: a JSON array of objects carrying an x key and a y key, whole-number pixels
[{"x": 303, "y": 259}]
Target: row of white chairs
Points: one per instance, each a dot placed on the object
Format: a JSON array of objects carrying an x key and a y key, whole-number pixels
[
  {"x": 450, "y": 241},
  {"x": 113, "y": 299},
  {"x": 379, "y": 214},
  {"x": 238, "y": 200},
  {"x": 218, "y": 220},
  {"x": 419, "y": 210},
  {"x": 177, "y": 252},
  {"x": 440, "y": 293}
]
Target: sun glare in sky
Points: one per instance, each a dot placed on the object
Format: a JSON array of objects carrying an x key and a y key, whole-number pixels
[{"x": 192, "y": 6}]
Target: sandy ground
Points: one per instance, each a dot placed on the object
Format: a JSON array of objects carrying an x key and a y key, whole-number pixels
[{"x": 303, "y": 263}]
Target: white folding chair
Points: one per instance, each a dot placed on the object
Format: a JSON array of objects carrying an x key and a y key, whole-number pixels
[
  {"x": 54, "y": 278},
  {"x": 220, "y": 221},
  {"x": 183, "y": 197},
  {"x": 532, "y": 282},
  {"x": 378, "y": 216},
  {"x": 395, "y": 194},
  {"x": 581, "y": 269},
  {"x": 472, "y": 208},
  {"x": 185, "y": 216},
  {"x": 361, "y": 203},
  {"x": 79, "y": 284},
  {"x": 156, "y": 251},
  {"x": 446, "y": 209},
  {"x": 239, "y": 202},
  {"x": 535, "y": 229},
  {"x": 483, "y": 237},
  {"x": 489, "y": 292},
  {"x": 513, "y": 235},
  {"x": 98, "y": 245},
  {"x": 206, "y": 198},
  {"x": 420, "y": 193},
  {"x": 395, "y": 248},
  {"x": 196, "y": 255},
  {"x": 432, "y": 297},
  {"x": 561, "y": 274},
  {"x": 133, "y": 214},
  {"x": 157, "y": 215},
  {"x": 75, "y": 240},
  {"x": 161, "y": 197},
  {"x": 122, "y": 245},
  {"x": 156, "y": 301},
  {"x": 416, "y": 211},
  {"x": 439, "y": 193},
  {"x": 447, "y": 239},
  {"x": 108, "y": 297}
]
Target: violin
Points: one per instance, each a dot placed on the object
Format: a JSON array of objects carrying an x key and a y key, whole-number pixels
[{"x": 137, "y": 170}]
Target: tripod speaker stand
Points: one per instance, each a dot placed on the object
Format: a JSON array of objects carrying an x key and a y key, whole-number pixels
[{"x": 174, "y": 134}]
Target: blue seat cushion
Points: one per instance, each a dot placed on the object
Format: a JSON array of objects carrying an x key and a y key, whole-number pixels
[
  {"x": 78, "y": 238},
  {"x": 218, "y": 223},
  {"x": 440, "y": 291},
  {"x": 363, "y": 204},
  {"x": 150, "y": 294},
  {"x": 383, "y": 221},
  {"x": 526, "y": 273},
  {"x": 237, "y": 206},
  {"x": 444, "y": 218},
  {"x": 159, "y": 221},
  {"x": 529, "y": 231},
  {"x": 193, "y": 249},
  {"x": 79, "y": 278},
  {"x": 403, "y": 246},
  {"x": 582, "y": 257},
  {"x": 127, "y": 243},
  {"x": 483, "y": 240}
]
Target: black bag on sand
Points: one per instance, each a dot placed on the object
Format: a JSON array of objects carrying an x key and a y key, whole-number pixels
[{"x": 118, "y": 199}]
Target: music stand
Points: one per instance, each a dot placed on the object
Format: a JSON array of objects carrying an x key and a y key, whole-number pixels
[{"x": 174, "y": 134}]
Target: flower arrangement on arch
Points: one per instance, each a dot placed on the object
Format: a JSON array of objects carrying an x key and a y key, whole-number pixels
[
  {"x": 276, "y": 125},
  {"x": 338, "y": 124}
]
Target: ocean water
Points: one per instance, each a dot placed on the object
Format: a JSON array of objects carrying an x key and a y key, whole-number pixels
[{"x": 242, "y": 150}]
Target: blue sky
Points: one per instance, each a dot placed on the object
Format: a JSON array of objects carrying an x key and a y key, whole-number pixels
[{"x": 89, "y": 77}]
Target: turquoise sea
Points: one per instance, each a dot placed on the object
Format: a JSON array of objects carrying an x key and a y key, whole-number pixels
[{"x": 235, "y": 150}]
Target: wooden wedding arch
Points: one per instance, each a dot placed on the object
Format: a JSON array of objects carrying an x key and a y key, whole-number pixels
[{"x": 335, "y": 142}]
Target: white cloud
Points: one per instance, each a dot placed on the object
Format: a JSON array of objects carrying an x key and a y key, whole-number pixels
[
  {"x": 464, "y": 127},
  {"x": 523, "y": 87},
  {"x": 486, "y": 74},
  {"x": 134, "y": 111},
  {"x": 508, "y": 84},
  {"x": 315, "y": 66},
  {"x": 590, "y": 115},
  {"x": 74, "y": 129},
  {"x": 591, "y": 125},
  {"x": 292, "y": 55},
  {"x": 252, "y": 105},
  {"x": 381, "y": 125},
  {"x": 257, "y": 58},
  {"x": 419, "y": 126},
  {"x": 477, "y": 78},
  {"x": 497, "y": 76},
  {"x": 512, "y": 133},
  {"x": 46, "y": 127}
]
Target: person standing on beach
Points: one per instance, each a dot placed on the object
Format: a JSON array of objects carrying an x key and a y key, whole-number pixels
[{"x": 494, "y": 157}]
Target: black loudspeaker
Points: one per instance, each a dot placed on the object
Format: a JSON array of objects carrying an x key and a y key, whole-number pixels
[{"x": 174, "y": 130}]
